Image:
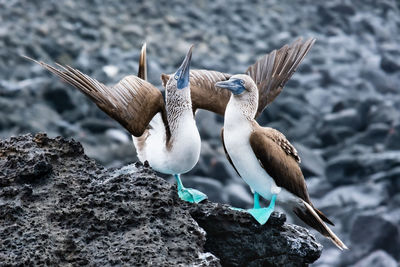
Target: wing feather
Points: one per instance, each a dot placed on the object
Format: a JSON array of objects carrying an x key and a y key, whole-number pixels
[
  {"x": 270, "y": 73},
  {"x": 132, "y": 102},
  {"x": 273, "y": 70}
]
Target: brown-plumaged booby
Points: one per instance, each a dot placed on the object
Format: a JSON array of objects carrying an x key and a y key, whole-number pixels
[
  {"x": 164, "y": 133},
  {"x": 262, "y": 156}
]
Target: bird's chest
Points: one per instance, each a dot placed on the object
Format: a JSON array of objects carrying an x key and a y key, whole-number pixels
[{"x": 237, "y": 143}]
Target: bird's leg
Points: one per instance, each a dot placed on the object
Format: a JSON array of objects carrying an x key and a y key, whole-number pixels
[
  {"x": 262, "y": 214},
  {"x": 256, "y": 201},
  {"x": 188, "y": 194}
]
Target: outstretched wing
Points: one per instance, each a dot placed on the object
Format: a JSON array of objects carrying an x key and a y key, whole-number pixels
[
  {"x": 204, "y": 93},
  {"x": 272, "y": 71},
  {"x": 280, "y": 160},
  {"x": 132, "y": 102}
]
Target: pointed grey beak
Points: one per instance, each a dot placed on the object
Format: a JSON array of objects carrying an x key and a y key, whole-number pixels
[
  {"x": 232, "y": 85},
  {"x": 184, "y": 70}
]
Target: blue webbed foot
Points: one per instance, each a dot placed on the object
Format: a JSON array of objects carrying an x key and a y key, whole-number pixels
[
  {"x": 261, "y": 214},
  {"x": 191, "y": 195}
]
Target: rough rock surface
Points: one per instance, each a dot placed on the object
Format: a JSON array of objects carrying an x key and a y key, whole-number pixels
[{"x": 59, "y": 207}]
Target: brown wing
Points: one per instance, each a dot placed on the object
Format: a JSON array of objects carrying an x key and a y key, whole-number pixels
[
  {"x": 226, "y": 152},
  {"x": 203, "y": 92},
  {"x": 132, "y": 102},
  {"x": 272, "y": 71},
  {"x": 280, "y": 160}
]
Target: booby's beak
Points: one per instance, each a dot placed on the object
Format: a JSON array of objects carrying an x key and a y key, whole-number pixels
[
  {"x": 182, "y": 74},
  {"x": 234, "y": 85}
]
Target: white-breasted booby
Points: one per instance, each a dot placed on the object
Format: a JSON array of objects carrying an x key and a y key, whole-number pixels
[
  {"x": 164, "y": 133},
  {"x": 266, "y": 160},
  {"x": 268, "y": 75}
]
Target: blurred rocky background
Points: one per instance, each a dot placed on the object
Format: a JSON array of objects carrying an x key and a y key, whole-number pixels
[{"x": 341, "y": 109}]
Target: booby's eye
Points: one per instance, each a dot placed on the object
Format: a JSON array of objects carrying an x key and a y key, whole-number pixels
[
  {"x": 176, "y": 77},
  {"x": 241, "y": 82}
]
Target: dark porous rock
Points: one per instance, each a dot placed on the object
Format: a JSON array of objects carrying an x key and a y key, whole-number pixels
[
  {"x": 258, "y": 245},
  {"x": 58, "y": 207},
  {"x": 378, "y": 258}
]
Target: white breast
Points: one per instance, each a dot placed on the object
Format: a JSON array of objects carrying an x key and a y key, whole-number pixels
[
  {"x": 237, "y": 131},
  {"x": 184, "y": 153}
]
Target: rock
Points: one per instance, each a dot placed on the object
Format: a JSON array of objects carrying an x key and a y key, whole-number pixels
[
  {"x": 257, "y": 246},
  {"x": 208, "y": 125},
  {"x": 393, "y": 139},
  {"x": 96, "y": 125},
  {"x": 347, "y": 169},
  {"x": 389, "y": 64},
  {"x": 361, "y": 196},
  {"x": 334, "y": 135},
  {"x": 118, "y": 135},
  {"x": 347, "y": 117},
  {"x": 378, "y": 258},
  {"x": 312, "y": 164},
  {"x": 344, "y": 9},
  {"x": 59, "y": 99},
  {"x": 375, "y": 134},
  {"x": 239, "y": 195},
  {"x": 322, "y": 100},
  {"x": 371, "y": 232},
  {"x": 59, "y": 207}
]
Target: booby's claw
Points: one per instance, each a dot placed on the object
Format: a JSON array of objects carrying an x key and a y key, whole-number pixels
[
  {"x": 191, "y": 195},
  {"x": 261, "y": 214}
]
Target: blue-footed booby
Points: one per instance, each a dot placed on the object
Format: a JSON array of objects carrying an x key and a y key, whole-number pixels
[
  {"x": 262, "y": 156},
  {"x": 164, "y": 133}
]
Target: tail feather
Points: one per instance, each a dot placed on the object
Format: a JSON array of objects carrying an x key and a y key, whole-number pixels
[
  {"x": 310, "y": 216},
  {"x": 323, "y": 216}
]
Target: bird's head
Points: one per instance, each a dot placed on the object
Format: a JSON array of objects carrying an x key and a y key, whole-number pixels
[
  {"x": 180, "y": 79},
  {"x": 244, "y": 93},
  {"x": 240, "y": 85}
]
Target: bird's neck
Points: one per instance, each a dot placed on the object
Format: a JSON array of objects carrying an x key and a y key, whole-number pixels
[
  {"x": 241, "y": 110},
  {"x": 179, "y": 110}
]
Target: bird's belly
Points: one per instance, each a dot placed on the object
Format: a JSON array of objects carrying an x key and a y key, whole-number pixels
[
  {"x": 248, "y": 166},
  {"x": 180, "y": 157}
]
